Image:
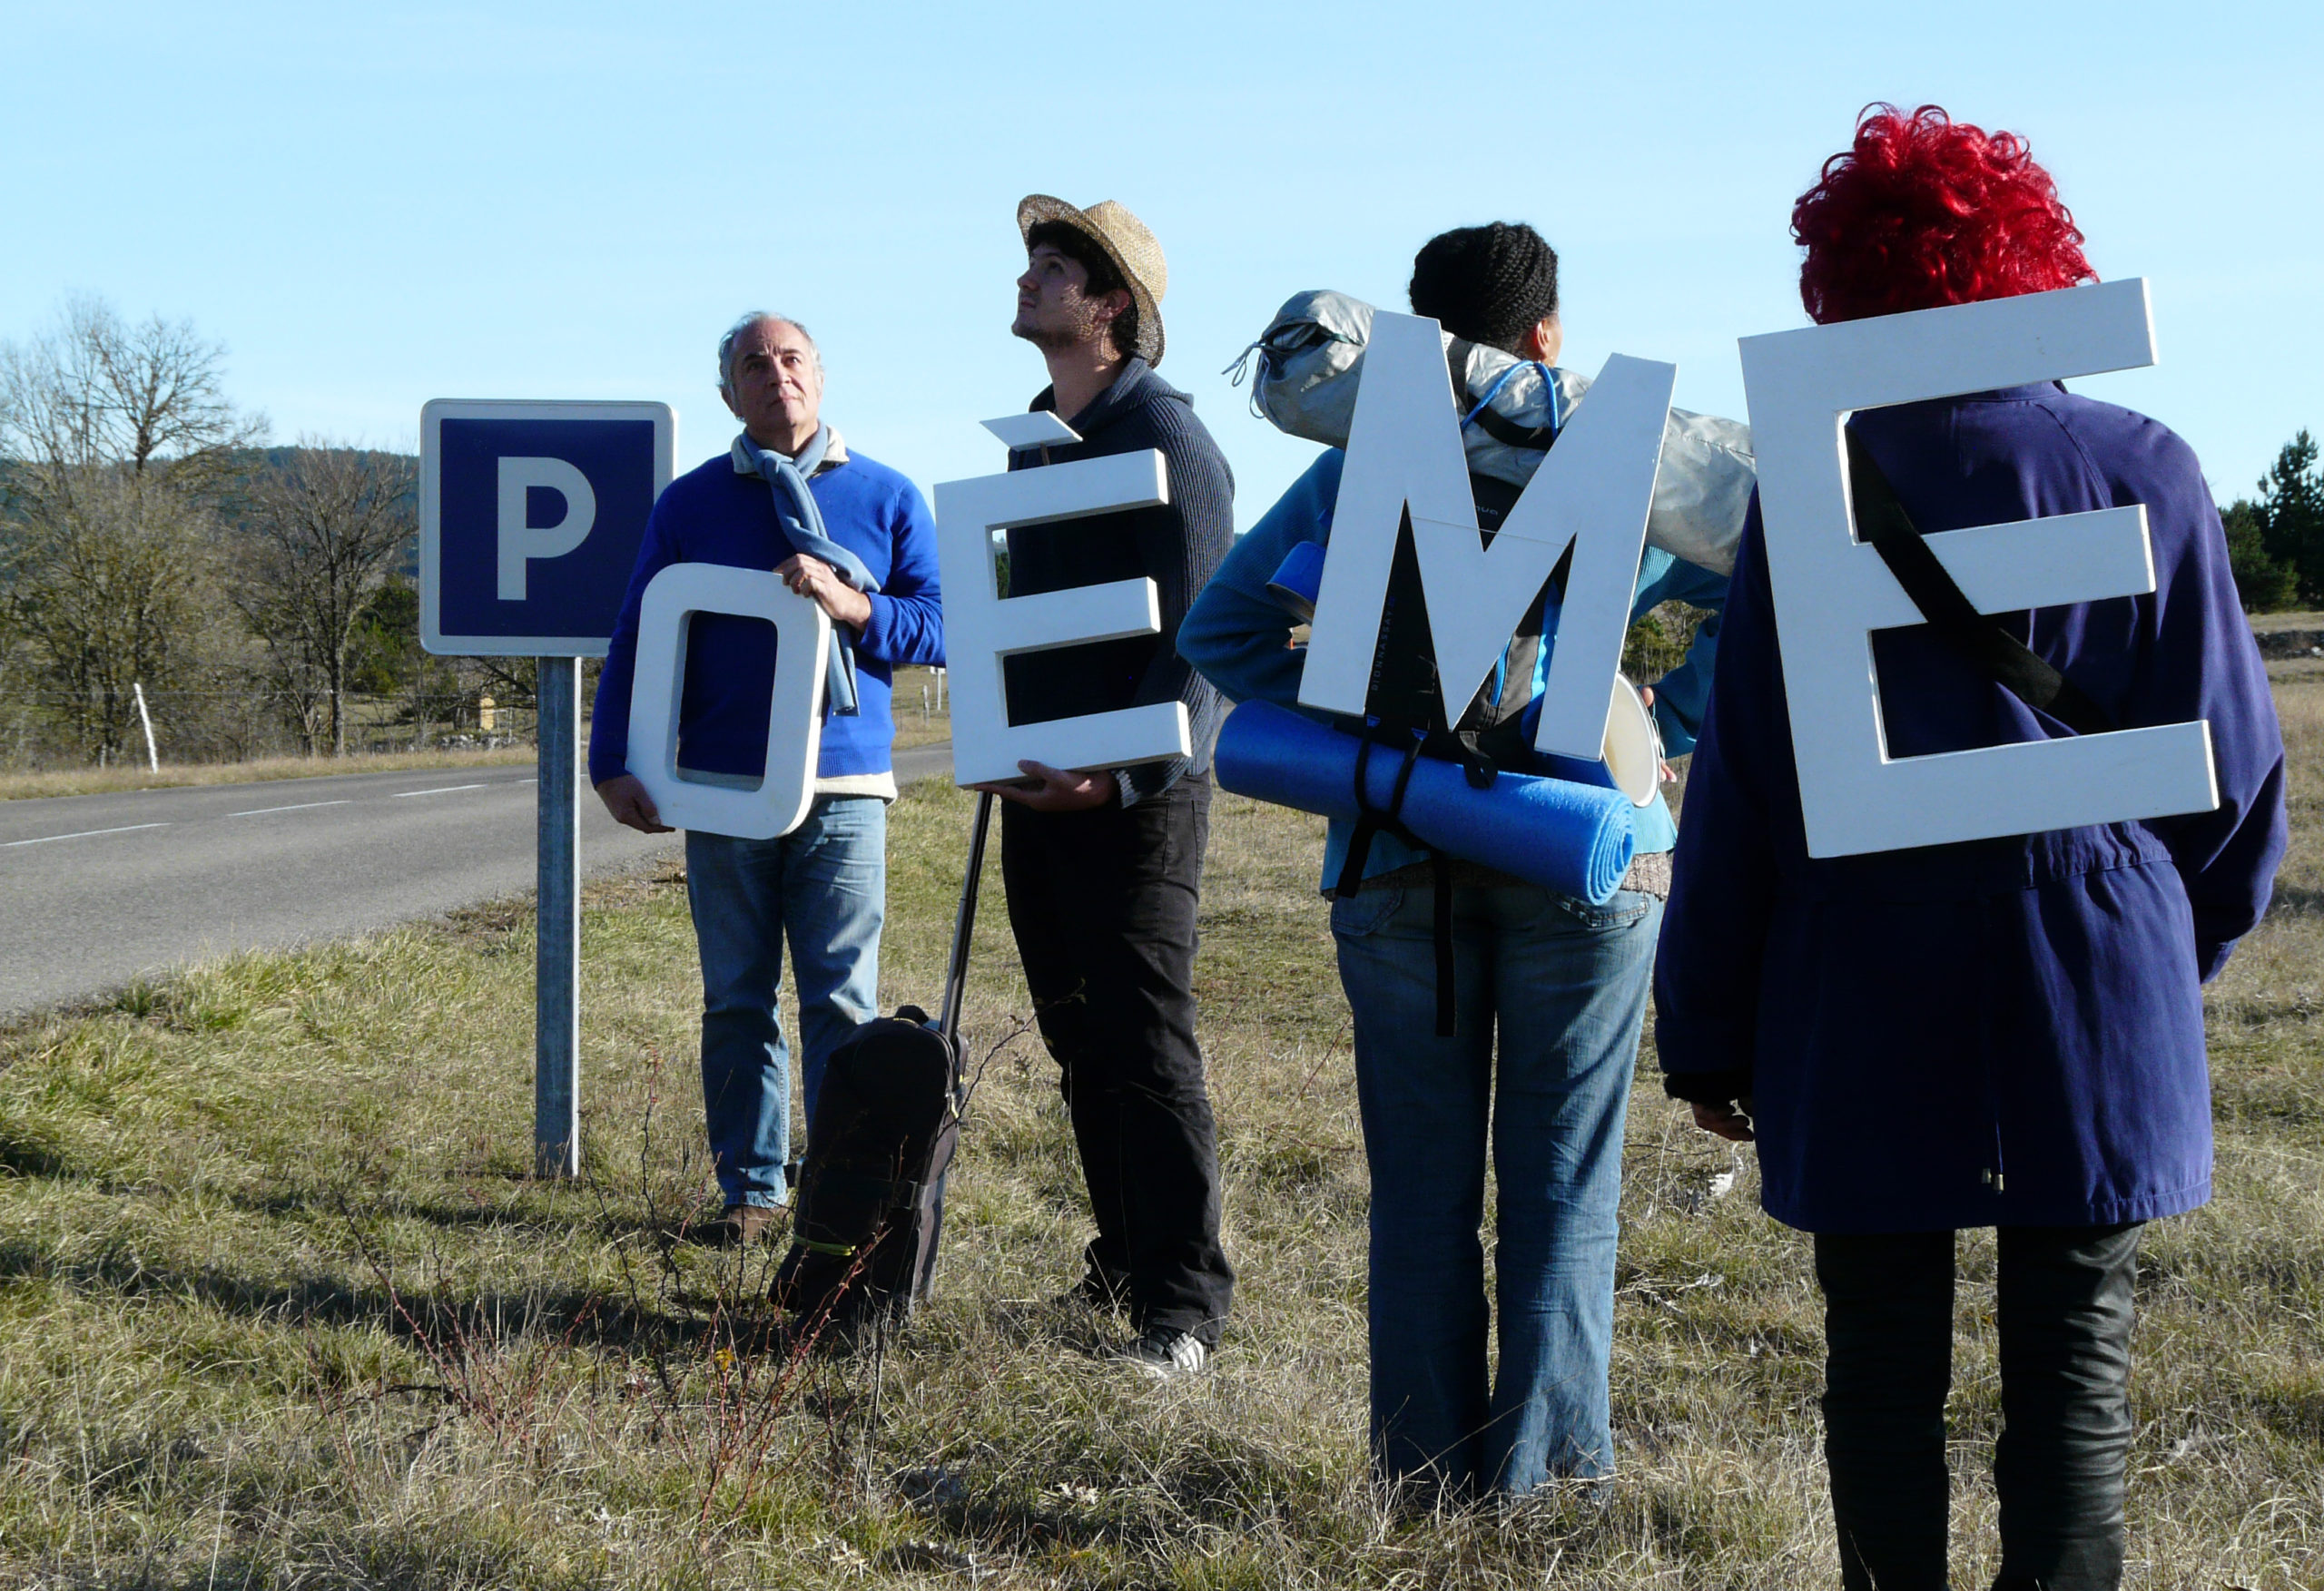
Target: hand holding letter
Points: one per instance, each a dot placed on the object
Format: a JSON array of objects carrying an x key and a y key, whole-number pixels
[
  {"x": 813, "y": 578},
  {"x": 626, "y": 798},
  {"x": 1055, "y": 790}
]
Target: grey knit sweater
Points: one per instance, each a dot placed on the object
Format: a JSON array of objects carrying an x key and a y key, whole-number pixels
[{"x": 1177, "y": 545}]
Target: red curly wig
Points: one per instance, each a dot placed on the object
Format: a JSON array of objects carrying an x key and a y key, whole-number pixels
[{"x": 1925, "y": 211}]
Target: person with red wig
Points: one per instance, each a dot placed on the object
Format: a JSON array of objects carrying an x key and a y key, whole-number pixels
[{"x": 2003, "y": 1032}]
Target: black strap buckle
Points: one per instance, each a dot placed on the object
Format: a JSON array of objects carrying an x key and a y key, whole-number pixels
[{"x": 1372, "y": 821}]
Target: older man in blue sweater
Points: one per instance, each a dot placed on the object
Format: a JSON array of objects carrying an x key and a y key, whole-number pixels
[{"x": 855, "y": 536}]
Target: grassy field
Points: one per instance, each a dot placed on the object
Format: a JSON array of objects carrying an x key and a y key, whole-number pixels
[
  {"x": 915, "y": 726},
  {"x": 279, "y": 1308}
]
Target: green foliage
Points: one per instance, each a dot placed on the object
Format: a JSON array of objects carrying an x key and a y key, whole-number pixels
[
  {"x": 384, "y": 649},
  {"x": 1658, "y": 643},
  {"x": 2290, "y": 514},
  {"x": 2262, "y": 585}
]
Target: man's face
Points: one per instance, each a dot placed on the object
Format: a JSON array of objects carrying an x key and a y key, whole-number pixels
[
  {"x": 777, "y": 386},
  {"x": 1054, "y": 310}
]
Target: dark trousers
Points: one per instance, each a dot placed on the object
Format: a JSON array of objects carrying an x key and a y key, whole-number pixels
[
  {"x": 1103, "y": 905},
  {"x": 2064, "y": 1320}
]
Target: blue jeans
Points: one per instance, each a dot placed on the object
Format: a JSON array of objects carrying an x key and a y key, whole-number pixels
[
  {"x": 825, "y": 886},
  {"x": 1565, "y": 984}
]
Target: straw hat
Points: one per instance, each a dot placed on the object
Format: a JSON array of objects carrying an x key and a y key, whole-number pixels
[{"x": 1128, "y": 243}]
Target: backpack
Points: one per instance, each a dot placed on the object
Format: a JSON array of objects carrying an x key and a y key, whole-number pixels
[
  {"x": 1310, "y": 361},
  {"x": 1310, "y": 358},
  {"x": 870, "y": 1203}
]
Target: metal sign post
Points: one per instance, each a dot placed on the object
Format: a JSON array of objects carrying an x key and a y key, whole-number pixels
[
  {"x": 557, "y": 1033},
  {"x": 530, "y": 516}
]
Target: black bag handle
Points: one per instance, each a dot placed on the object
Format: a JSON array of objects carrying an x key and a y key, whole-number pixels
[
  {"x": 956, "y": 968},
  {"x": 1993, "y": 650}
]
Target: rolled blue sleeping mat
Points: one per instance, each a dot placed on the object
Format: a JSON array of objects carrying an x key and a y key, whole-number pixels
[{"x": 1576, "y": 839}]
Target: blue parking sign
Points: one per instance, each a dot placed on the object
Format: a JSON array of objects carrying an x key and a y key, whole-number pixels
[{"x": 530, "y": 516}]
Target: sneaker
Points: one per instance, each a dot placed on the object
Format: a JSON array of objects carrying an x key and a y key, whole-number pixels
[
  {"x": 1167, "y": 1354},
  {"x": 737, "y": 1226}
]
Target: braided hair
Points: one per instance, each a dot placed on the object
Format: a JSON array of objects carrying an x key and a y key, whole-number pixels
[{"x": 1490, "y": 284}]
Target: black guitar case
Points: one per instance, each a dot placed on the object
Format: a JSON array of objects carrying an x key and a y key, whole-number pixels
[{"x": 869, "y": 1207}]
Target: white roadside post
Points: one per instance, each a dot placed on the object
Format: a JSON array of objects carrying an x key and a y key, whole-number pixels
[
  {"x": 152, "y": 757},
  {"x": 530, "y": 518}
]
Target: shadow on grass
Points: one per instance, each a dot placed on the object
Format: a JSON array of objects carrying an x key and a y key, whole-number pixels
[
  {"x": 422, "y": 1315},
  {"x": 2294, "y": 901},
  {"x": 659, "y": 1228}
]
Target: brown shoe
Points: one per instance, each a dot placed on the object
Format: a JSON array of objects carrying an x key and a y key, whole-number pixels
[{"x": 738, "y": 1226}]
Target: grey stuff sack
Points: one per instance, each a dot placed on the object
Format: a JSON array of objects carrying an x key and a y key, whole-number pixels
[{"x": 1310, "y": 360}]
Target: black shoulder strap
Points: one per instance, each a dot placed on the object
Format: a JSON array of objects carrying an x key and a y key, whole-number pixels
[
  {"x": 964, "y": 922},
  {"x": 1979, "y": 638},
  {"x": 1372, "y": 820}
]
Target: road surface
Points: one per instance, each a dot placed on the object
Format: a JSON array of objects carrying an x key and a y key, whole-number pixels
[{"x": 98, "y": 890}]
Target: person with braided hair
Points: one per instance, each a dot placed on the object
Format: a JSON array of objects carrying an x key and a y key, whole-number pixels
[
  {"x": 1549, "y": 995},
  {"x": 1495, "y": 284}
]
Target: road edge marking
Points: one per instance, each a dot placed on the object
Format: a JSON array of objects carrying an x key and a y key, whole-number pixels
[{"x": 84, "y": 834}]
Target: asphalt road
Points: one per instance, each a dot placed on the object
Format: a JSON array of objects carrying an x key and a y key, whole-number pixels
[{"x": 98, "y": 890}]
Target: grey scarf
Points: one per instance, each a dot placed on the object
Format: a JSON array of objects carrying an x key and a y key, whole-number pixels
[{"x": 802, "y": 524}]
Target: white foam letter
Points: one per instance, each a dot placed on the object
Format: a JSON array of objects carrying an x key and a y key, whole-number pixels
[
  {"x": 1592, "y": 493},
  {"x": 982, "y": 628},
  {"x": 795, "y": 723},
  {"x": 1832, "y": 591},
  {"x": 519, "y": 541}
]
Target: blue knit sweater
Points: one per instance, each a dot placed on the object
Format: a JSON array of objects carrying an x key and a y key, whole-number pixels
[{"x": 713, "y": 516}]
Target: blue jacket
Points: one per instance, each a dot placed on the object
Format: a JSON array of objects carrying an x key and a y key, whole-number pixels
[
  {"x": 2007, "y": 1031},
  {"x": 713, "y": 516},
  {"x": 1239, "y": 637}
]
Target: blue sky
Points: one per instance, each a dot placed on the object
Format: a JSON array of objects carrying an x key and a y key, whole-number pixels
[{"x": 379, "y": 204}]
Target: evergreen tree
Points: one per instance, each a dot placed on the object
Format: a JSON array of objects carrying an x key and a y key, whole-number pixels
[
  {"x": 2261, "y": 584},
  {"x": 2291, "y": 512}
]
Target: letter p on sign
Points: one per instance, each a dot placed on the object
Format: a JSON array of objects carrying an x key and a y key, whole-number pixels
[{"x": 519, "y": 540}]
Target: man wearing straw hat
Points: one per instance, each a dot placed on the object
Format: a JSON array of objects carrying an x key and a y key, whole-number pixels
[{"x": 1103, "y": 869}]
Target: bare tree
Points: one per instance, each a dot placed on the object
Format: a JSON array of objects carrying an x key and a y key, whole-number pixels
[
  {"x": 94, "y": 391},
  {"x": 115, "y": 585},
  {"x": 114, "y": 440},
  {"x": 320, "y": 530}
]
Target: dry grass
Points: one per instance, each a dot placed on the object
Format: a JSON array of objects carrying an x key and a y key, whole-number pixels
[
  {"x": 915, "y": 727},
  {"x": 73, "y": 781},
  {"x": 278, "y": 1307}
]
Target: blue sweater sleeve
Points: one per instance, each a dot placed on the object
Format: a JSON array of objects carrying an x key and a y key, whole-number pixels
[
  {"x": 1682, "y": 696},
  {"x": 1237, "y": 636},
  {"x": 907, "y": 622},
  {"x": 609, "y": 715}
]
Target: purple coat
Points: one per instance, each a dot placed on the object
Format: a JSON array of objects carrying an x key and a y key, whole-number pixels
[{"x": 2005, "y": 1032}]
